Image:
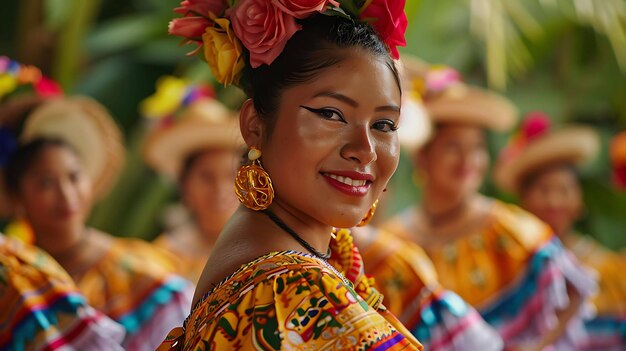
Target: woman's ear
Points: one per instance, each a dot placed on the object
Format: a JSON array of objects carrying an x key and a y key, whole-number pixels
[{"x": 250, "y": 124}]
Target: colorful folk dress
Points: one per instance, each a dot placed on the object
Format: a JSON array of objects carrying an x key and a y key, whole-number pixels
[
  {"x": 513, "y": 270},
  {"x": 42, "y": 309},
  {"x": 607, "y": 330},
  {"x": 134, "y": 285},
  {"x": 293, "y": 301},
  {"x": 439, "y": 318}
]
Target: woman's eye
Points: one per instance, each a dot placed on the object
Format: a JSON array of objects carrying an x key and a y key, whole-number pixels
[
  {"x": 385, "y": 125},
  {"x": 326, "y": 113}
]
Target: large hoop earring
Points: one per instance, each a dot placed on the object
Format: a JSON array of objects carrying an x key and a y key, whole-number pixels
[
  {"x": 369, "y": 215},
  {"x": 253, "y": 184}
]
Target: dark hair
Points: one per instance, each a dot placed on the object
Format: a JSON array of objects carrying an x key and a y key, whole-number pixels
[
  {"x": 529, "y": 178},
  {"x": 23, "y": 158},
  {"x": 307, "y": 52}
]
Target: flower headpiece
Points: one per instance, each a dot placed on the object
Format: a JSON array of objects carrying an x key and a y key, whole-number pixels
[
  {"x": 534, "y": 125},
  {"x": 436, "y": 80},
  {"x": 233, "y": 33},
  {"x": 14, "y": 76},
  {"x": 171, "y": 96}
]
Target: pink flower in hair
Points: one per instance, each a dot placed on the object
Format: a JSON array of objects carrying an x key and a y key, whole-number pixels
[
  {"x": 535, "y": 125},
  {"x": 189, "y": 27},
  {"x": 389, "y": 20},
  {"x": 263, "y": 29},
  {"x": 303, "y": 8},
  {"x": 202, "y": 7}
]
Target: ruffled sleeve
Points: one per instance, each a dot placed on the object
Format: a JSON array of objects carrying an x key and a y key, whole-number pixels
[
  {"x": 134, "y": 284},
  {"x": 41, "y": 308},
  {"x": 440, "y": 319},
  {"x": 528, "y": 308}
]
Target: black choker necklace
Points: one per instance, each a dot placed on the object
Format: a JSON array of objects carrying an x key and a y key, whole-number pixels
[{"x": 295, "y": 235}]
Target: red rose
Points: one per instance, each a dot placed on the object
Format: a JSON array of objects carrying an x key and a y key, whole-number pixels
[
  {"x": 189, "y": 27},
  {"x": 263, "y": 29},
  {"x": 202, "y": 7},
  {"x": 389, "y": 20},
  {"x": 303, "y": 8}
]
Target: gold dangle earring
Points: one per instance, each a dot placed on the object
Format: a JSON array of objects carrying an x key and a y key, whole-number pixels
[
  {"x": 369, "y": 215},
  {"x": 253, "y": 185}
]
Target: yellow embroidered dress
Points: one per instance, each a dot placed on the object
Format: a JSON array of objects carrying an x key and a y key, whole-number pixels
[
  {"x": 439, "y": 318},
  {"x": 293, "y": 301},
  {"x": 513, "y": 270},
  {"x": 134, "y": 285},
  {"x": 607, "y": 331},
  {"x": 41, "y": 308}
]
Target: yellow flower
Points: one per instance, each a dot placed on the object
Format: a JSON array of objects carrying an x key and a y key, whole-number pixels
[
  {"x": 8, "y": 83},
  {"x": 169, "y": 95},
  {"x": 223, "y": 52}
]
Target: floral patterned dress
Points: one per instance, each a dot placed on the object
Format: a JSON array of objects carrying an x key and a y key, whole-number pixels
[
  {"x": 439, "y": 318},
  {"x": 42, "y": 309},
  {"x": 293, "y": 301},
  {"x": 513, "y": 270},
  {"x": 134, "y": 284}
]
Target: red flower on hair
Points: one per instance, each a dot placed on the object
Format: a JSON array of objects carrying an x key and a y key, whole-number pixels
[
  {"x": 190, "y": 27},
  {"x": 389, "y": 20},
  {"x": 201, "y": 7}
]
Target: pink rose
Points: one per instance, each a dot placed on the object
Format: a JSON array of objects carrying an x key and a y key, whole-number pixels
[
  {"x": 303, "y": 8},
  {"x": 189, "y": 27},
  {"x": 202, "y": 7},
  {"x": 263, "y": 29},
  {"x": 47, "y": 88},
  {"x": 389, "y": 20}
]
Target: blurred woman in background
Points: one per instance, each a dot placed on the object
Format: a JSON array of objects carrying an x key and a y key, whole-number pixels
[
  {"x": 540, "y": 166},
  {"x": 69, "y": 153},
  {"x": 196, "y": 142},
  {"x": 404, "y": 274},
  {"x": 498, "y": 258}
]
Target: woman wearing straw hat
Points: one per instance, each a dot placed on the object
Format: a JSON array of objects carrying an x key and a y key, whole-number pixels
[
  {"x": 197, "y": 143},
  {"x": 69, "y": 153},
  {"x": 540, "y": 167},
  {"x": 404, "y": 274},
  {"x": 40, "y": 306},
  {"x": 497, "y": 257}
]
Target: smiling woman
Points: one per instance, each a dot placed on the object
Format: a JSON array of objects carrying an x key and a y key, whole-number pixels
[{"x": 321, "y": 127}]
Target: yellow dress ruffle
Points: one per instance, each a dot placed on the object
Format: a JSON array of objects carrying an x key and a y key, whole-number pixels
[
  {"x": 480, "y": 265},
  {"x": 41, "y": 307},
  {"x": 611, "y": 269},
  {"x": 135, "y": 285}
]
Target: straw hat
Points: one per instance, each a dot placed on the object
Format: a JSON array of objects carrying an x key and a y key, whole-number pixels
[
  {"x": 448, "y": 99},
  {"x": 205, "y": 123},
  {"x": 574, "y": 144},
  {"x": 87, "y": 126}
]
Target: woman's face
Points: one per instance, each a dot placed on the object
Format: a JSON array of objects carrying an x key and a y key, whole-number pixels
[
  {"x": 207, "y": 188},
  {"x": 334, "y": 146},
  {"x": 455, "y": 160},
  {"x": 555, "y": 197},
  {"x": 56, "y": 196}
]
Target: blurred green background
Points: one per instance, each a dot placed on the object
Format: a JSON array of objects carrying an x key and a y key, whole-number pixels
[{"x": 565, "y": 57}]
